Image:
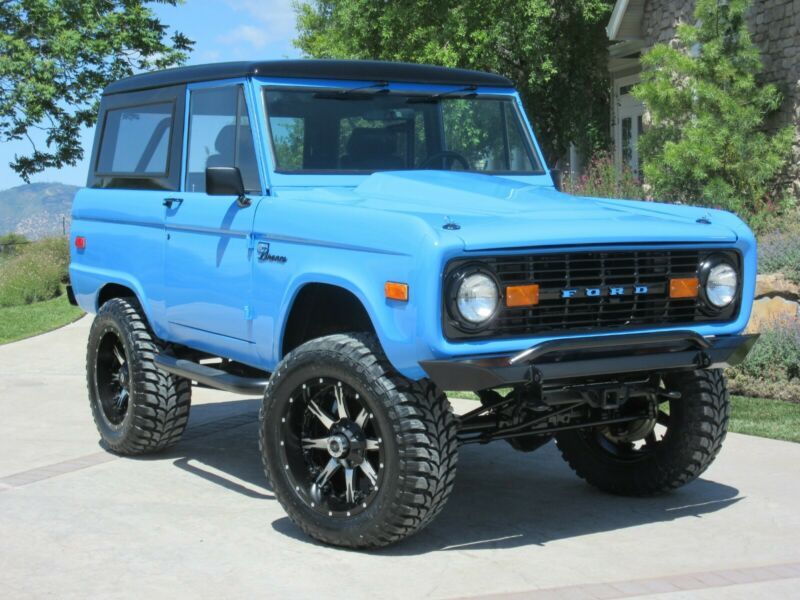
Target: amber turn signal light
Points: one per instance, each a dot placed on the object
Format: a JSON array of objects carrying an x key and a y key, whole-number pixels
[
  {"x": 396, "y": 291},
  {"x": 522, "y": 295},
  {"x": 684, "y": 287}
]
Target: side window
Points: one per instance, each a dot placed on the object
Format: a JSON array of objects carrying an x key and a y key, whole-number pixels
[
  {"x": 220, "y": 136},
  {"x": 136, "y": 141},
  {"x": 518, "y": 159}
]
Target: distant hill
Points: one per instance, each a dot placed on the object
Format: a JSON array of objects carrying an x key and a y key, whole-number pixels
[{"x": 36, "y": 210}]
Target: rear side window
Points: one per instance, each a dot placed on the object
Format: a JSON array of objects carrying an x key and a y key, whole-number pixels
[{"x": 136, "y": 141}]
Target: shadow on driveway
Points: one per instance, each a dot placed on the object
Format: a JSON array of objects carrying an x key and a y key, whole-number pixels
[{"x": 502, "y": 498}]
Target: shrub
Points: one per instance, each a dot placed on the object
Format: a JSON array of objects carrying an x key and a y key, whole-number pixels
[
  {"x": 706, "y": 143},
  {"x": 772, "y": 369},
  {"x": 780, "y": 251},
  {"x": 602, "y": 180},
  {"x": 35, "y": 274},
  {"x": 11, "y": 245}
]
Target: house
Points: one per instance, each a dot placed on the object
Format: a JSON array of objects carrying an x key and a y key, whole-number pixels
[{"x": 636, "y": 25}]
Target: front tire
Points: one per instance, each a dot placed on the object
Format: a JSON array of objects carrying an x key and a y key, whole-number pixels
[
  {"x": 137, "y": 408},
  {"x": 357, "y": 455},
  {"x": 640, "y": 464}
]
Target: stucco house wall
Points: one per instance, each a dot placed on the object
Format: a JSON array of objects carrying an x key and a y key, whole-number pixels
[{"x": 637, "y": 25}]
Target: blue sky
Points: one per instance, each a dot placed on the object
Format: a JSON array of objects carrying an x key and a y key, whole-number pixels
[{"x": 222, "y": 30}]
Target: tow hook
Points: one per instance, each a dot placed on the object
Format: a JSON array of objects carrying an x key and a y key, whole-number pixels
[
  {"x": 702, "y": 360},
  {"x": 534, "y": 375}
]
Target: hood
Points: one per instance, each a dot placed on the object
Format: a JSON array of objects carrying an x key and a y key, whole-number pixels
[{"x": 495, "y": 212}]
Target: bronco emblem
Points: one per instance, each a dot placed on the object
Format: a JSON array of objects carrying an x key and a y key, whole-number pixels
[
  {"x": 265, "y": 255},
  {"x": 597, "y": 292}
]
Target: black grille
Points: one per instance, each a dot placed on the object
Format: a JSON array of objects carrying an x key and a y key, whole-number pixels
[{"x": 609, "y": 291}]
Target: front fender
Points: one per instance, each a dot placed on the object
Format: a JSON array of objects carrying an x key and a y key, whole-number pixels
[
  {"x": 395, "y": 322},
  {"x": 377, "y": 307}
]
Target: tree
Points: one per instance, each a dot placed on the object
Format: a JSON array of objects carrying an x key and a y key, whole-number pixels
[
  {"x": 55, "y": 58},
  {"x": 706, "y": 142},
  {"x": 554, "y": 51}
]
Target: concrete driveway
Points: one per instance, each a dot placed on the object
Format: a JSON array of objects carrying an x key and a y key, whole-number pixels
[{"x": 198, "y": 521}]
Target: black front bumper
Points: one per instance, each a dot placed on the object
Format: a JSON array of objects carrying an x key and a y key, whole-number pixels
[{"x": 579, "y": 358}]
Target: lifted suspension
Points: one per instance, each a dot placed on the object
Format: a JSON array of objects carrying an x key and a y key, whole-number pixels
[{"x": 536, "y": 414}]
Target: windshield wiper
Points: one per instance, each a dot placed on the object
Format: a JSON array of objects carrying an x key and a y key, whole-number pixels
[
  {"x": 356, "y": 93},
  {"x": 465, "y": 92}
]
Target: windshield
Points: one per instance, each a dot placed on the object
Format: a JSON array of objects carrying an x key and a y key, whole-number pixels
[{"x": 341, "y": 131}]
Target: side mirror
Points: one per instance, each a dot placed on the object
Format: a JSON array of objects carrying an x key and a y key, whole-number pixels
[
  {"x": 556, "y": 175},
  {"x": 226, "y": 181}
]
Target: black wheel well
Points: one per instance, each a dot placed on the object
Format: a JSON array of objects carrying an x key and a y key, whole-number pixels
[
  {"x": 114, "y": 290},
  {"x": 322, "y": 309}
]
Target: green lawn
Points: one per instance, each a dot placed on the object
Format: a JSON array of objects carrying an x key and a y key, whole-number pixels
[
  {"x": 18, "y": 322},
  {"x": 774, "y": 419}
]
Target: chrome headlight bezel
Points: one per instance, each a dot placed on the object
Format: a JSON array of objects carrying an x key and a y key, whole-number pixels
[
  {"x": 710, "y": 268},
  {"x": 454, "y": 285}
]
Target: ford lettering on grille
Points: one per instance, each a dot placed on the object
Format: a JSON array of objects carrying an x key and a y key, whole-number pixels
[{"x": 597, "y": 292}]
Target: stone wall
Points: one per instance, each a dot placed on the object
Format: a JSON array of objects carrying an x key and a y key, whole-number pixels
[
  {"x": 775, "y": 28},
  {"x": 775, "y": 25},
  {"x": 661, "y": 19},
  {"x": 776, "y": 299}
]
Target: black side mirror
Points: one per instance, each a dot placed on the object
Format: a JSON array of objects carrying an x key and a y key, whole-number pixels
[
  {"x": 226, "y": 181},
  {"x": 556, "y": 175}
]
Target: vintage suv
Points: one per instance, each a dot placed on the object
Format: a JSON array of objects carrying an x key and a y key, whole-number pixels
[{"x": 350, "y": 239}]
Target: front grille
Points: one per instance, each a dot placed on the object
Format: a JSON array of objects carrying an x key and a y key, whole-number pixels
[{"x": 610, "y": 291}]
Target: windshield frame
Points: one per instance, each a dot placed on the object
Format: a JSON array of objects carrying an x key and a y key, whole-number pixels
[{"x": 286, "y": 177}]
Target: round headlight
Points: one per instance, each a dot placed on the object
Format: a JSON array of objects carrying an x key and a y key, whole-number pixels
[
  {"x": 477, "y": 298},
  {"x": 721, "y": 285}
]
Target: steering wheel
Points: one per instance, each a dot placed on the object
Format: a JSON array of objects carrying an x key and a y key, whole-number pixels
[{"x": 444, "y": 155}]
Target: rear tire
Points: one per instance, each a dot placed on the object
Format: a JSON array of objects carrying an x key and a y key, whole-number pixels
[
  {"x": 696, "y": 426},
  {"x": 397, "y": 468},
  {"x": 137, "y": 408}
]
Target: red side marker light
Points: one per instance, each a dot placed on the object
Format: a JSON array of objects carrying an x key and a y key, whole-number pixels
[{"x": 80, "y": 242}]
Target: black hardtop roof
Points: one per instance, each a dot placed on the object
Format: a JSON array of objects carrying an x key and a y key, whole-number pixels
[{"x": 356, "y": 70}]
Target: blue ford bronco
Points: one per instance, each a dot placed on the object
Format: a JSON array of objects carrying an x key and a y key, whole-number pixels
[{"x": 349, "y": 240}]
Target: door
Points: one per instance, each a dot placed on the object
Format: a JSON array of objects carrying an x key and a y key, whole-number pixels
[
  {"x": 208, "y": 256},
  {"x": 628, "y": 125}
]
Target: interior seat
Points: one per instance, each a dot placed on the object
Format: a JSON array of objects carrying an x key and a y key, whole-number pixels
[
  {"x": 371, "y": 148},
  {"x": 225, "y": 147}
]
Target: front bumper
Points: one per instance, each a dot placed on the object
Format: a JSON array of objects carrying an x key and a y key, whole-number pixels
[{"x": 578, "y": 358}]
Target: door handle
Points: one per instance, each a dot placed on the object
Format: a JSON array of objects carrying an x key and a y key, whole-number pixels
[{"x": 168, "y": 202}]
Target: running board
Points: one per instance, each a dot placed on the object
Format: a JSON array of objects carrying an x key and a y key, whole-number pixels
[{"x": 214, "y": 378}]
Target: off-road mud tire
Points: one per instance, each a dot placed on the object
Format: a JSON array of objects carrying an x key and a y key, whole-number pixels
[
  {"x": 420, "y": 445},
  {"x": 158, "y": 403},
  {"x": 698, "y": 422}
]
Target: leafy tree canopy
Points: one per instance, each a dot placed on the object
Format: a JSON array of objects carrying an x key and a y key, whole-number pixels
[
  {"x": 55, "y": 58},
  {"x": 553, "y": 50},
  {"x": 706, "y": 142}
]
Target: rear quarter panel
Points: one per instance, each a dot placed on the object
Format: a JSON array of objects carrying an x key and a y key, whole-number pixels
[{"x": 124, "y": 231}]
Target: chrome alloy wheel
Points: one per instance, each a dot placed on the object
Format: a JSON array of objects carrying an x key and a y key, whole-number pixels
[
  {"x": 113, "y": 378},
  {"x": 331, "y": 448}
]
